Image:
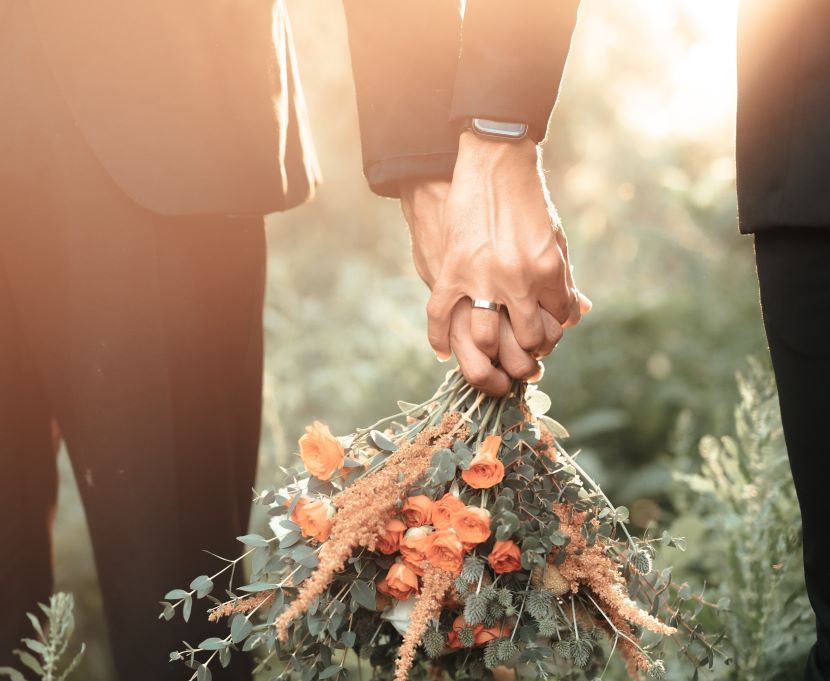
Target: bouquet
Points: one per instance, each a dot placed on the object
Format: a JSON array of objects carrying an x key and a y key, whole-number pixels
[{"x": 455, "y": 539}]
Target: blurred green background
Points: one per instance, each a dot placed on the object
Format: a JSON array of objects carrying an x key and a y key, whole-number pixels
[{"x": 640, "y": 164}]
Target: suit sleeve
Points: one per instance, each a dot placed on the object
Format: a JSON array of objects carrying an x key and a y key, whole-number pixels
[
  {"x": 512, "y": 58},
  {"x": 404, "y": 57}
]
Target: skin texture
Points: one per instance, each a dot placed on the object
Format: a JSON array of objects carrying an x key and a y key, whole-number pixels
[{"x": 492, "y": 233}]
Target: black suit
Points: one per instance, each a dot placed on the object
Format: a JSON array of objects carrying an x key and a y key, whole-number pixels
[{"x": 140, "y": 145}]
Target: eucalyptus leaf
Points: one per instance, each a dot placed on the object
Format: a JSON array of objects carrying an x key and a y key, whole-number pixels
[
  {"x": 364, "y": 593},
  {"x": 213, "y": 643},
  {"x": 382, "y": 442},
  {"x": 253, "y": 540},
  {"x": 241, "y": 627}
]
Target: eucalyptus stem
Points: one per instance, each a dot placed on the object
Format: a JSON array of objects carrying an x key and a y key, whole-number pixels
[
  {"x": 361, "y": 432},
  {"x": 571, "y": 461},
  {"x": 617, "y": 632}
]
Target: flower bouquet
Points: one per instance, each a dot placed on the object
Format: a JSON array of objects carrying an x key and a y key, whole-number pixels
[{"x": 452, "y": 539}]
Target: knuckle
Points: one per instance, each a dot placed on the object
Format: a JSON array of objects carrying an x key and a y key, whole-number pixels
[
  {"x": 477, "y": 375},
  {"x": 520, "y": 367},
  {"x": 549, "y": 266},
  {"x": 435, "y": 308}
]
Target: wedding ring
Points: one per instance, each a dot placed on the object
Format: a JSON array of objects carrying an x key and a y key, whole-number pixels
[{"x": 483, "y": 304}]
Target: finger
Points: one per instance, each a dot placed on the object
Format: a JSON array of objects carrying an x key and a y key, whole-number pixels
[
  {"x": 439, "y": 314},
  {"x": 553, "y": 333},
  {"x": 574, "y": 310},
  {"x": 526, "y": 320},
  {"x": 477, "y": 367},
  {"x": 557, "y": 295},
  {"x": 579, "y": 304},
  {"x": 484, "y": 328},
  {"x": 540, "y": 373},
  {"x": 517, "y": 362}
]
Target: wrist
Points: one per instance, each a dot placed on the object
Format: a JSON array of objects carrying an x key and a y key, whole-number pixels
[{"x": 483, "y": 152}]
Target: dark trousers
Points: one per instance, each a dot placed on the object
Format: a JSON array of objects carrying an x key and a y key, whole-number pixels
[
  {"x": 140, "y": 337},
  {"x": 794, "y": 274}
]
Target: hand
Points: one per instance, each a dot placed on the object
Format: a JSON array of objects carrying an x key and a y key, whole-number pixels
[
  {"x": 422, "y": 203},
  {"x": 500, "y": 241}
]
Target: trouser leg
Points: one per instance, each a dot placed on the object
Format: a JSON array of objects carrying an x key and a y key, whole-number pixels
[
  {"x": 146, "y": 331},
  {"x": 794, "y": 275},
  {"x": 149, "y": 335},
  {"x": 28, "y": 484}
]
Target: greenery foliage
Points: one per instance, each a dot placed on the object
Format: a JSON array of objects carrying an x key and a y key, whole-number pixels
[
  {"x": 742, "y": 506},
  {"x": 536, "y": 566},
  {"x": 43, "y": 656}
]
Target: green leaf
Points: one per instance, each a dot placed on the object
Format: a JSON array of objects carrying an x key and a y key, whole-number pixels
[
  {"x": 257, "y": 587},
  {"x": 258, "y": 560},
  {"x": 176, "y": 595},
  {"x": 382, "y": 442},
  {"x": 240, "y": 627},
  {"x": 202, "y": 586},
  {"x": 35, "y": 646},
  {"x": 253, "y": 540},
  {"x": 364, "y": 593},
  {"x": 213, "y": 643},
  {"x": 168, "y": 612},
  {"x": 412, "y": 410},
  {"x": 329, "y": 671},
  {"x": 559, "y": 538},
  {"x": 225, "y": 657},
  {"x": 31, "y": 662},
  {"x": 13, "y": 674},
  {"x": 203, "y": 673},
  {"x": 187, "y": 608},
  {"x": 556, "y": 429},
  {"x": 36, "y": 624},
  {"x": 506, "y": 525},
  {"x": 348, "y": 639},
  {"x": 304, "y": 555}
]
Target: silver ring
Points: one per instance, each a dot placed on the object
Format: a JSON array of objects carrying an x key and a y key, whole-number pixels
[{"x": 483, "y": 304}]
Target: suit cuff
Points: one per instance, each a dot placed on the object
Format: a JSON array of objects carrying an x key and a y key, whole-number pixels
[
  {"x": 385, "y": 176},
  {"x": 512, "y": 59}
]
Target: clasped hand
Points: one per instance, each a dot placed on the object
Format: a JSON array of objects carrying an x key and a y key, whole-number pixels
[{"x": 492, "y": 233}]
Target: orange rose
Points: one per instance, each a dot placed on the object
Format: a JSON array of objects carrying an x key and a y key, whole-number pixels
[
  {"x": 481, "y": 634},
  {"x": 443, "y": 509},
  {"x": 414, "y": 548},
  {"x": 444, "y": 551},
  {"x": 389, "y": 542},
  {"x": 417, "y": 511},
  {"x": 452, "y": 637},
  {"x": 485, "y": 469},
  {"x": 505, "y": 557},
  {"x": 314, "y": 518},
  {"x": 321, "y": 452},
  {"x": 400, "y": 582},
  {"x": 471, "y": 524}
]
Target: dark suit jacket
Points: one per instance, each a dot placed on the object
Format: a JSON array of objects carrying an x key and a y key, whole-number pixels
[
  {"x": 195, "y": 106},
  {"x": 511, "y": 62}
]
